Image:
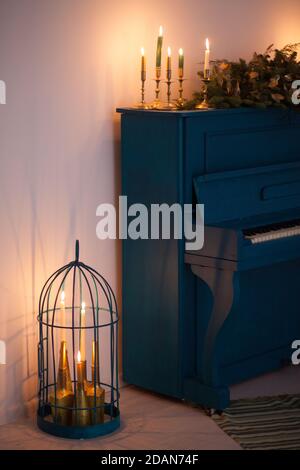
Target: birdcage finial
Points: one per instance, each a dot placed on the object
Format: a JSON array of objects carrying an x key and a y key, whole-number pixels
[{"x": 77, "y": 250}]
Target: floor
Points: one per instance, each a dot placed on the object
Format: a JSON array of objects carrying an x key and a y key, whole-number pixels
[{"x": 150, "y": 421}]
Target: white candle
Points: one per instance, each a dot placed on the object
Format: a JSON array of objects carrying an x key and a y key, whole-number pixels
[
  {"x": 82, "y": 332},
  {"x": 206, "y": 60},
  {"x": 63, "y": 314}
]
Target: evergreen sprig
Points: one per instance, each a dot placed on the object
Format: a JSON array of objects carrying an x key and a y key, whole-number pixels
[{"x": 266, "y": 80}]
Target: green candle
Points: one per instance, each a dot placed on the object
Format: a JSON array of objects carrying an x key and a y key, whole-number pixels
[
  {"x": 180, "y": 62},
  {"x": 159, "y": 47}
]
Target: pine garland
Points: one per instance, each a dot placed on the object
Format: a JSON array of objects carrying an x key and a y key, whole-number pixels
[{"x": 265, "y": 81}]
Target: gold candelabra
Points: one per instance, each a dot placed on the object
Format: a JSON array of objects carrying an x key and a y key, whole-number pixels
[
  {"x": 181, "y": 100},
  {"x": 142, "y": 104},
  {"x": 157, "y": 104},
  {"x": 169, "y": 104},
  {"x": 204, "y": 104},
  {"x": 178, "y": 103}
]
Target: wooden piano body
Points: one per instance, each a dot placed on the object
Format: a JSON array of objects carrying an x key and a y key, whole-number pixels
[{"x": 196, "y": 322}]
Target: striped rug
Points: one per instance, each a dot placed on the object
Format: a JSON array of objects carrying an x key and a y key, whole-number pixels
[{"x": 263, "y": 423}]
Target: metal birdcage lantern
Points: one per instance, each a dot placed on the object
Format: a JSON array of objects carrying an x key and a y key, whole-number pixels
[{"x": 78, "y": 354}]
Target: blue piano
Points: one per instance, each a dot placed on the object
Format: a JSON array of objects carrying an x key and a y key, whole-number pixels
[{"x": 195, "y": 322}]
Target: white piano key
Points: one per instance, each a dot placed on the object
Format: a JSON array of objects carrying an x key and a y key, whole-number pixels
[{"x": 274, "y": 235}]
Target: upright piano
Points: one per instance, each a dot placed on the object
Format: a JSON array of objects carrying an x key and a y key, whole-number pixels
[{"x": 195, "y": 322}]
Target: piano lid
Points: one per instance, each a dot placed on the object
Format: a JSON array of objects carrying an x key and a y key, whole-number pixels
[{"x": 233, "y": 195}]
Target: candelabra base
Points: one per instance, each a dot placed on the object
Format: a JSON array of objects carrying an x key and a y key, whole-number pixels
[
  {"x": 203, "y": 105},
  {"x": 169, "y": 106},
  {"x": 142, "y": 106},
  {"x": 180, "y": 102},
  {"x": 156, "y": 104}
]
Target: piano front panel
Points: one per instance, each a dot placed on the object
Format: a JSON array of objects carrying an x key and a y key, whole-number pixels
[
  {"x": 233, "y": 195},
  {"x": 246, "y": 148},
  {"x": 238, "y": 139}
]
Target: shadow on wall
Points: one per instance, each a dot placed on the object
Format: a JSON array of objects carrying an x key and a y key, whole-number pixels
[{"x": 42, "y": 243}]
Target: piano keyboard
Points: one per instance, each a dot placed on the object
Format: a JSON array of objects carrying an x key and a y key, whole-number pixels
[{"x": 273, "y": 232}]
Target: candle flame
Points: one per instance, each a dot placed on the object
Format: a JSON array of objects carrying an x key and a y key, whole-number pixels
[
  {"x": 180, "y": 52},
  {"x": 160, "y": 31},
  {"x": 207, "y": 44},
  {"x": 83, "y": 307},
  {"x": 142, "y": 51},
  {"x": 79, "y": 356},
  {"x": 169, "y": 52},
  {"x": 62, "y": 296}
]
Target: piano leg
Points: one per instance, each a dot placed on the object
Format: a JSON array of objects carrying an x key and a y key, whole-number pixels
[{"x": 224, "y": 287}]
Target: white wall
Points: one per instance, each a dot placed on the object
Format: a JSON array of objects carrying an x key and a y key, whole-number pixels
[{"x": 67, "y": 64}]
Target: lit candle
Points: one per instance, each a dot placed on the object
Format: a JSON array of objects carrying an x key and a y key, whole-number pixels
[
  {"x": 63, "y": 355},
  {"x": 206, "y": 60},
  {"x": 95, "y": 362},
  {"x": 80, "y": 369},
  {"x": 93, "y": 354},
  {"x": 82, "y": 331},
  {"x": 63, "y": 314},
  {"x": 143, "y": 63},
  {"x": 180, "y": 63},
  {"x": 81, "y": 411},
  {"x": 169, "y": 66},
  {"x": 95, "y": 391},
  {"x": 159, "y": 47}
]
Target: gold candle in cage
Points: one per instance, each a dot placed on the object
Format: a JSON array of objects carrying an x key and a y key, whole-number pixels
[
  {"x": 64, "y": 390},
  {"x": 82, "y": 331},
  {"x": 81, "y": 412},
  {"x": 95, "y": 393}
]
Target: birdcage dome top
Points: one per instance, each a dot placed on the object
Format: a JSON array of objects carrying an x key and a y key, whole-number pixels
[{"x": 70, "y": 284}]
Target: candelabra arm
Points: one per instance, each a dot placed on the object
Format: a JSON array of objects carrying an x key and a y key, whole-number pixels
[
  {"x": 157, "y": 104},
  {"x": 180, "y": 100},
  {"x": 142, "y": 104}
]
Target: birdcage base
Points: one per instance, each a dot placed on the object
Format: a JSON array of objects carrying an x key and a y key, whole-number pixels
[{"x": 110, "y": 424}]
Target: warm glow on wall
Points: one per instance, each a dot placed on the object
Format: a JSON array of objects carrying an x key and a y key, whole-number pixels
[{"x": 2, "y": 352}]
